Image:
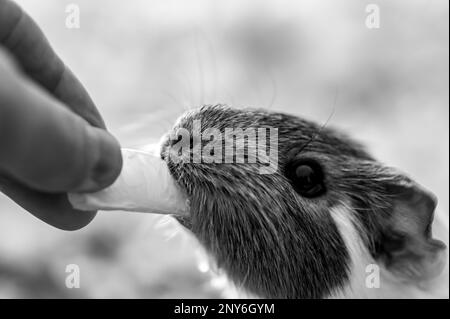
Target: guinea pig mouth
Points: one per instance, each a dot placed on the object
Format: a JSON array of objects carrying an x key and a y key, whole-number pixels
[
  {"x": 172, "y": 167},
  {"x": 169, "y": 155}
]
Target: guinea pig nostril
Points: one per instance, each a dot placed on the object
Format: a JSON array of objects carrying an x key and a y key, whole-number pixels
[
  {"x": 177, "y": 147},
  {"x": 172, "y": 141}
]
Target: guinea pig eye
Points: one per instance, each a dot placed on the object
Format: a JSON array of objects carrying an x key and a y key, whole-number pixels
[{"x": 307, "y": 178}]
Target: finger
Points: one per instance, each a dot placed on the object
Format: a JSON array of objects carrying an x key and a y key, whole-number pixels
[
  {"x": 47, "y": 147},
  {"x": 54, "y": 209},
  {"x": 26, "y": 42}
]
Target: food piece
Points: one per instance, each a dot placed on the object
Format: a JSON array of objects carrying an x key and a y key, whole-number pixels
[{"x": 144, "y": 185}]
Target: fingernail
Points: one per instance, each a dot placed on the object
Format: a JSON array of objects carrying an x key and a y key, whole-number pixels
[{"x": 106, "y": 160}]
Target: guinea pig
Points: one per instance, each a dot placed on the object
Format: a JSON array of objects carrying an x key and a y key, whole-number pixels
[{"x": 326, "y": 218}]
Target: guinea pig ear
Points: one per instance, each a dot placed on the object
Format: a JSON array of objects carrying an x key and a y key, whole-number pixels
[{"x": 406, "y": 245}]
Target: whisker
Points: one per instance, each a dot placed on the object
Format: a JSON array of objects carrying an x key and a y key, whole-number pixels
[
  {"x": 199, "y": 68},
  {"x": 274, "y": 87},
  {"x": 173, "y": 98},
  {"x": 324, "y": 125}
]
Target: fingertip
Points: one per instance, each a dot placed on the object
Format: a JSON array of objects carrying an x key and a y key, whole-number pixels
[
  {"x": 104, "y": 160},
  {"x": 75, "y": 220},
  {"x": 53, "y": 209}
]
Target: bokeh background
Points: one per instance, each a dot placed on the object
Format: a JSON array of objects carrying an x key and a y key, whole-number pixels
[{"x": 146, "y": 61}]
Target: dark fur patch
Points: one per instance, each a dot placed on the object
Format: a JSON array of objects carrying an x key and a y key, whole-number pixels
[{"x": 268, "y": 238}]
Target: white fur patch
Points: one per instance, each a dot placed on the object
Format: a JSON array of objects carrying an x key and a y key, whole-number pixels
[{"x": 363, "y": 265}]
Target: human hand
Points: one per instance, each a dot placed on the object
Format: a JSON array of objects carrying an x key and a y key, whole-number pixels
[{"x": 52, "y": 138}]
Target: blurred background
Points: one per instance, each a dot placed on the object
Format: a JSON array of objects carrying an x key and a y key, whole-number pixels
[{"x": 145, "y": 62}]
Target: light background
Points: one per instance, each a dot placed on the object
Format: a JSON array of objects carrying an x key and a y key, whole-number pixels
[{"x": 145, "y": 62}]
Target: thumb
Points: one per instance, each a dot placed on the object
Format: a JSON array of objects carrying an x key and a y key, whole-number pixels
[{"x": 46, "y": 147}]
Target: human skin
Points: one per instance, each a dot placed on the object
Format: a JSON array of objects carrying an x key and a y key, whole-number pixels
[{"x": 53, "y": 140}]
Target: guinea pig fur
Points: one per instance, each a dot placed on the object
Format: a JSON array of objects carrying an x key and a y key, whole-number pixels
[{"x": 319, "y": 226}]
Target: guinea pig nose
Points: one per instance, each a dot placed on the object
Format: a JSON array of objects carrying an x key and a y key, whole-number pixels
[
  {"x": 166, "y": 145},
  {"x": 173, "y": 141},
  {"x": 176, "y": 145}
]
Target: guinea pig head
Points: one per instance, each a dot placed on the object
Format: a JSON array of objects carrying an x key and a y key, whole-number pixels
[{"x": 283, "y": 213}]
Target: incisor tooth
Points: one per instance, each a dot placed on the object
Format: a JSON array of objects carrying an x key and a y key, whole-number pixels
[{"x": 144, "y": 185}]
